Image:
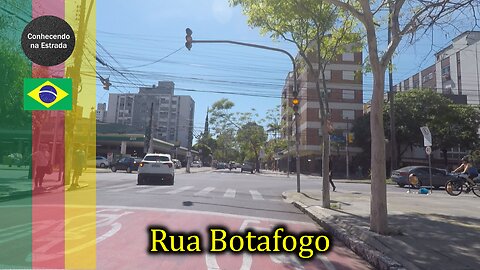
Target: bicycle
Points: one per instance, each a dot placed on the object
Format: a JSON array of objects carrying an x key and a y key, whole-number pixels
[{"x": 456, "y": 186}]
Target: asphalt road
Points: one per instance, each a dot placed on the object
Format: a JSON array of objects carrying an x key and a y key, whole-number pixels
[{"x": 233, "y": 200}]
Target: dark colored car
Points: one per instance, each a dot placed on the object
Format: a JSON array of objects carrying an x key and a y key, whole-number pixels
[
  {"x": 439, "y": 176},
  {"x": 247, "y": 167},
  {"x": 128, "y": 164}
]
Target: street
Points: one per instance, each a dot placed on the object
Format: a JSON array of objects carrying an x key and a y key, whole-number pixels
[{"x": 234, "y": 200}]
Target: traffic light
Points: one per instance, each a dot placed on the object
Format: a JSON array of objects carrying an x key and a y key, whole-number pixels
[
  {"x": 350, "y": 137},
  {"x": 188, "y": 38},
  {"x": 295, "y": 101},
  {"x": 106, "y": 83}
]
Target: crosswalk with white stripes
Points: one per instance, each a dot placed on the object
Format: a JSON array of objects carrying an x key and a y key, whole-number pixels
[{"x": 228, "y": 193}]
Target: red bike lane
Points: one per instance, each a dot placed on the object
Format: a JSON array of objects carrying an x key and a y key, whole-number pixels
[{"x": 123, "y": 241}]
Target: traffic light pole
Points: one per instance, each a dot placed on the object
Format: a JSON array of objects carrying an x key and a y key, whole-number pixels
[{"x": 297, "y": 135}]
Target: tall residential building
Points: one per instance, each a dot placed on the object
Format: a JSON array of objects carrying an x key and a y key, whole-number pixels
[
  {"x": 345, "y": 99},
  {"x": 172, "y": 115},
  {"x": 101, "y": 112},
  {"x": 456, "y": 71}
]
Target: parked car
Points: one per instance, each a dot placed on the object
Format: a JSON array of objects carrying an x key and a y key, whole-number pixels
[
  {"x": 196, "y": 163},
  {"x": 232, "y": 165},
  {"x": 439, "y": 176},
  {"x": 102, "y": 162},
  {"x": 221, "y": 165},
  {"x": 177, "y": 163},
  {"x": 128, "y": 164},
  {"x": 156, "y": 168},
  {"x": 247, "y": 167}
]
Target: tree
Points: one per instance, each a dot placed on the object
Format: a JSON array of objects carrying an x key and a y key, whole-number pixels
[
  {"x": 312, "y": 27},
  {"x": 206, "y": 145},
  {"x": 406, "y": 18},
  {"x": 451, "y": 125},
  {"x": 251, "y": 138}
]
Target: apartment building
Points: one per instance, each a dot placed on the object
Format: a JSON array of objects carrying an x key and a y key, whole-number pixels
[
  {"x": 345, "y": 100},
  {"x": 172, "y": 115},
  {"x": 455, "y": 73},
  {"x": 101, "y": 113}
]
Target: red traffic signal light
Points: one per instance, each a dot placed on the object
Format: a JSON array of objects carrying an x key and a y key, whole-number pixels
[{"x": 188, "y": 38}]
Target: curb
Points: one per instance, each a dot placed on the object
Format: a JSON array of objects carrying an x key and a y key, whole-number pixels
[
  {"x": 16, "y": 195},
  {"x": 376, "y": 258}
]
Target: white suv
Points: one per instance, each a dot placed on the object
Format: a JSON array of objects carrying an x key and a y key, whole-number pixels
[{"x": 156, "y": 168}]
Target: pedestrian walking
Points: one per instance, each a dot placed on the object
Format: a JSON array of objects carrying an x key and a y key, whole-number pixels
[
  {"x": 330, "y": 176},
  {"x": 41, "y": 161}
]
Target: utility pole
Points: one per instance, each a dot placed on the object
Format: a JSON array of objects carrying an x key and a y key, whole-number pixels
[
  {"x": 393, "y": 139},
  {"x": 148, "y": 133},
  {"x": 190, "y": 41},
  {"x": 346, "y": 150}
]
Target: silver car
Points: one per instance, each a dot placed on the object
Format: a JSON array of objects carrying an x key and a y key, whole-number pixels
[{"x": 102, "y": 162}]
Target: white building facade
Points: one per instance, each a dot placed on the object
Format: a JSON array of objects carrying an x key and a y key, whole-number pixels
[
  {"x": 456, "y": 71},
  {"x": 172, "y": 115}
]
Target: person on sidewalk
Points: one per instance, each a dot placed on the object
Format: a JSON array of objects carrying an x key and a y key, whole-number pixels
[
  {"x": 330, "y": 176},
  {"x": 41, "y": 159},
  {"x": 78, "y": 165}
]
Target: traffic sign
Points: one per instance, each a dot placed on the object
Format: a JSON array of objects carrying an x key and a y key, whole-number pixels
[
  {"x": 428, "y": 150},
  {"x": 427, "y": 136}
]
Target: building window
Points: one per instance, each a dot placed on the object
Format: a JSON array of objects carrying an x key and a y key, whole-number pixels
[
  {"x": 348, "y": 57},
  {"x": 174, "y": 102},
  {"x": 427, "y": 77},
  {"x": 328, "y": 75},
  {"x": 348, "y": 94},
  {"x": 348, "y": 75},
  {"x": 446, "y": 73},
  {"x": 348, "y": 114}
]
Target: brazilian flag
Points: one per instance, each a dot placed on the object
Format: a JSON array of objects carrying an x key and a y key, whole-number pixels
[{"x": 47, "y": 94}]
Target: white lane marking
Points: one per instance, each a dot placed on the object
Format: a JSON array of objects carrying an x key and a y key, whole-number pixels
[
  {"x": 178, "y": 190},
  {"x": 166, "y": 210},
  {"x": 257, "y": 196},
  {"x": 230, "y": 193},
  {"x": 204, "y": 191},
  {"x": 276, "y": 200},
  {"x": 131, "y": 186},
  {"x": 106, "y": 188},
  {"x": 147, "y": 189}
]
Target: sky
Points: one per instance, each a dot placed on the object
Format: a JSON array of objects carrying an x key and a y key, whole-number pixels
[{"x": 145, "y": 42}]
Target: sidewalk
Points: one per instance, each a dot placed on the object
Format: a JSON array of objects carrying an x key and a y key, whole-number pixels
[
  {"x": 20, "y": 186},
  {"x": 311, "y": 176},
  {"x": 434, "y": 231}
]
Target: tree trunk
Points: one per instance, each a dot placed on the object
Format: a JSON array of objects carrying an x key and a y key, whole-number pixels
[
  {"x": 445, "y": 158},
  {"x": 325, "y": 143},
  {"x": 326, "y": 166},
  {"x": 378, "y": 197}
]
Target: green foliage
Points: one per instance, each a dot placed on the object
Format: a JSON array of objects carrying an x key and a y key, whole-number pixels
[
  {"x": 251, "y": 138},
  {"x": 451, "y": 124},
  {"x": 13, "y": 68}
]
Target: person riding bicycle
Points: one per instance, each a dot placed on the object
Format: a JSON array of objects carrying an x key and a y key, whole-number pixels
[{"x": 467, "y": 169}]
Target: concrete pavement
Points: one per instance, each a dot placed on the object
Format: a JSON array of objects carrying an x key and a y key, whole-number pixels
[
  {"x": 427, "y": 231},
  {"x": 14, "y": 181}
]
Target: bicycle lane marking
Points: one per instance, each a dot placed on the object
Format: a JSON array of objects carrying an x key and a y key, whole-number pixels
[
  {"x": 132, "y": 242},
  {"x": 122, "y": 233}
]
